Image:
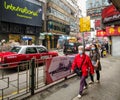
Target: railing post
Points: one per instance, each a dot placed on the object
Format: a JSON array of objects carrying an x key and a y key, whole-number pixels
[{"x": 32, "y": 76}]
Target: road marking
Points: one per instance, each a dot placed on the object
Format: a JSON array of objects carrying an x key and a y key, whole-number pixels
[{"x": 13, "y": 93}]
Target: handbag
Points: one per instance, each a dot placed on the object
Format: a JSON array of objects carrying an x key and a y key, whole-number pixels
[{"x": 77, "y": 70}]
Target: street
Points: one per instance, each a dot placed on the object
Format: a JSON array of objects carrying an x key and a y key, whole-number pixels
[
  {"x": 108, "y": 89},
  {"x": 15, "y": 82}
]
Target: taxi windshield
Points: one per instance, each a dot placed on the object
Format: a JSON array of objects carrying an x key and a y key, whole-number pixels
[{"x": 15, "y": 49}]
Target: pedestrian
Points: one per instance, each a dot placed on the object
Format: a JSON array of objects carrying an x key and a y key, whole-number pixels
[
  {"x": 95, "y": 58},
  {"x": 82, "y": 61}
]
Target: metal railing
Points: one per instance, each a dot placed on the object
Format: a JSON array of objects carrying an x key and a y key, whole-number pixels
[{"x": 14, "y": 82}]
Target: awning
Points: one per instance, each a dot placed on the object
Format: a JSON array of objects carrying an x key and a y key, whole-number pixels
[{"x": 116, "y": 3}]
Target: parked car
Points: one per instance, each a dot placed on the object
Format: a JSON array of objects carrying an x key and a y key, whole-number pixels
[
  {"x": 71, "y": 48},
  {"x": 20, "y": 54}
]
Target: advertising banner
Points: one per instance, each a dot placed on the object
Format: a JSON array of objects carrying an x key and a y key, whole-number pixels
[
  {"x": 21, "y": 12},
  {"x": 58, "y": 67},
  {"x": 85, "y": 24}
]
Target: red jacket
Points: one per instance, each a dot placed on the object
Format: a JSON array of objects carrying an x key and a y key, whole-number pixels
[{"x": 87, "y": 65}]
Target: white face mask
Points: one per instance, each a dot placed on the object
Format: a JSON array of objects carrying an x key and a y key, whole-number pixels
[{"x": 80, "y": 52}]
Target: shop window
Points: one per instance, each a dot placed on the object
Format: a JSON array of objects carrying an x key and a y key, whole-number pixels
[{"x": 5, "y": 27}]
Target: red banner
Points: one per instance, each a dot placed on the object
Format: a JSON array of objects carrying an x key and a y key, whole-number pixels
[
  {"x": 101, "y": 33},
  {"x": 113, "y": 31},
  {"x": 97, "y": 24}
]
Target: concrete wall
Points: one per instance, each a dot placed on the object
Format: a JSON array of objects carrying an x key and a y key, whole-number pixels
[{"x": 116, "y": 46}]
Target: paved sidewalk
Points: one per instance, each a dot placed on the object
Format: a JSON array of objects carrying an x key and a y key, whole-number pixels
[{"x": 108, "y": 89}]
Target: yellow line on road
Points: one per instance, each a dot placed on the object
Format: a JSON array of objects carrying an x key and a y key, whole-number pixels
[{"x": 13, "y": 93}]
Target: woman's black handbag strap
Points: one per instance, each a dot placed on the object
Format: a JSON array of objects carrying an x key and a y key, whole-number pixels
[{"x": 83, "y": 62}]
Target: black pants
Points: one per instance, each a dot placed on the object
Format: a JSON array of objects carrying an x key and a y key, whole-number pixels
[{"x": 97, "y": 76}]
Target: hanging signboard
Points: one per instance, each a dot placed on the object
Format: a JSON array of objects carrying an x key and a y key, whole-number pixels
[{"x": 85, "y": 24}]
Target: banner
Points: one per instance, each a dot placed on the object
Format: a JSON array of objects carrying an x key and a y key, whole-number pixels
[
  {"x": 113, "y": 31},
  {"x": 101, "y": 33},
  {"x": 58, "y": 67},
  {"x": 21, "y": 12},
  {"x": 85, "y": 24},
  {"x": 110, "y": 31},
  {"x": 97, "y": 24}
]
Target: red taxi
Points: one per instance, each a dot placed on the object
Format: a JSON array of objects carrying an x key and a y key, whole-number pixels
[{"x": 24, "y": 53}]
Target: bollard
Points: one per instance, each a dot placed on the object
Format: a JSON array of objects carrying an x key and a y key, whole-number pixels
[{"x": 32, "y": 76}]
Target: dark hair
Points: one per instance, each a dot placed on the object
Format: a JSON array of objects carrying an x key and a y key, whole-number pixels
[{"x": 96, "y": 48}]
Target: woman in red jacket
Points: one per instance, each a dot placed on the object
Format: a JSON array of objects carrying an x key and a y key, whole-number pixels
[{"x": 86, "y": 66}]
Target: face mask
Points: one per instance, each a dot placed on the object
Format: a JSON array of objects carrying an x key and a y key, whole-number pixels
[
  {"x": 93, "y": 48},
  {"x": 80, "y": 52}
]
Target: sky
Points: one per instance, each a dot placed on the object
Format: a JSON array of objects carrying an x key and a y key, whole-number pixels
[{"x": 82, "y": 5}]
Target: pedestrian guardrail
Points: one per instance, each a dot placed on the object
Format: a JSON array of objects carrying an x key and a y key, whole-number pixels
[{"x": 34, "y": 76}]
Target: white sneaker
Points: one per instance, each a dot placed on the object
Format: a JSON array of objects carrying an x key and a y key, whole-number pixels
[
  {"x": 85, "y": 87},
  {"x": 79, "y": 96},
  {"x": 91, "y": 82},
  {"x": 97, "y": 81}
]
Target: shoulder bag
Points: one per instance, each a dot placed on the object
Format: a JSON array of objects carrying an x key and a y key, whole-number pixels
[{"x": 77, "y": 70}]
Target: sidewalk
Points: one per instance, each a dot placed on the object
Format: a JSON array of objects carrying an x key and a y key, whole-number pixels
[{"x": 108, "y": 89}]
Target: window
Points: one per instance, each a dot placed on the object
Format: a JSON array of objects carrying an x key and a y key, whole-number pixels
[
  {"x": 41, "y": 50},
  {"x": 31, "y": 50},
  {"x": 15, "y": 49}
]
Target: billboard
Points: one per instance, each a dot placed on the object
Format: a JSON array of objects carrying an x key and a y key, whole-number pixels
[{"x": 21, "y": 12}]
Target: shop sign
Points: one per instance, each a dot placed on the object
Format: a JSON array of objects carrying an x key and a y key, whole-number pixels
[
  {"x": 113, "y": 31},
  {"x": 110, "y": 31},
  {"x": 21, "y": 11},
  {"x": 110, "y": 14},
  {"x": 101, "y": 33}
]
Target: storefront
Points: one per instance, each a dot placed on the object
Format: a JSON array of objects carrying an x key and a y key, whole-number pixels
[
  {"x": 55, "y": 30},
  {"x": 19, "y": 19},
  {"x": 111, "y": 21}
]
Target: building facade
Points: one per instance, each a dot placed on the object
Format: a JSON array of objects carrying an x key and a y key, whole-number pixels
[
  {"x": 20, "y": 19},
  {"x": 94, "y": 10},
  {"x": 60, "y": 21},
  {"x": 111, "y": 22}
]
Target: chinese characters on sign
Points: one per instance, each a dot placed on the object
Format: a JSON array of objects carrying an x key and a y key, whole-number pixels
[
  {"x": 110, "y": 31},
  {"x": 101, "y": 33},
  {"x": 85, "y": 24}
]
